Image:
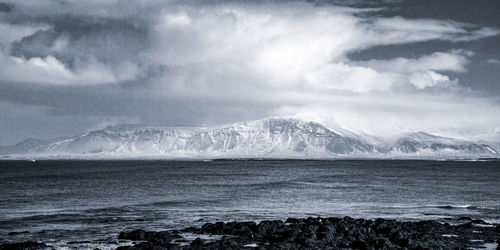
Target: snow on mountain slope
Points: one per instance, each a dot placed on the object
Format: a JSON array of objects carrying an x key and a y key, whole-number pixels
[
  {"x": 267, "y": 138},
  {"x": 424, "y": 144}
]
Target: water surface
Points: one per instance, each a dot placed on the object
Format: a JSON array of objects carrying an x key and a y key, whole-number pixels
[{"x": 63, "y": 201}]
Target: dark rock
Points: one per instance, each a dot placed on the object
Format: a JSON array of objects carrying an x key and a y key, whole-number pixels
[
  {"x": 16, "y": 233},
  {"x": 174, "y": 247},
  {"x": 480, "y": 222},
  {"x": 189, "y": 230},
  {"x": 229, "y": 242},
  {"x": 359, "y": 244},
  {"x": 158, "y": 238},
  {"x": 324, "y": 233},
  {"x": 292, "y": 220},
  {"x": 176, "y": 236},
  {"x": 467, "y": 225},
  {"x": 133, "y": 235},
  {"x": 378, "y": 243},
  {"x": 197, "y": 242},
  {"x": 404, "y": 242},
  {"x": 265, "y": 227},
  {"x": 142, "y": 246},
  {"x": 28, "y": 245},
  {"x": 77, "y": 242}
]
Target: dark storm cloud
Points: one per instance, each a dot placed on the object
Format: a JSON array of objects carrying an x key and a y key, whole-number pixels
[
  {"x": 89, "y": 42},
  {"x": 69, "y": 40},
  {"x": 5, "y": 7}
]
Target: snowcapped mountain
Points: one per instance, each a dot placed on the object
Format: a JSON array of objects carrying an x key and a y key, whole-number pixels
[
  {"x": 267, "y": 138},
  {"x": 427, "y": 145}
]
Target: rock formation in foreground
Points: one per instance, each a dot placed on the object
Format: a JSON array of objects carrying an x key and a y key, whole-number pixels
[{"x": 323, "y": 233}]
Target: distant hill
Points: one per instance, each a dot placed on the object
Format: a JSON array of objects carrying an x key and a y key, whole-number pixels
[{"x": 267, "y": 138}]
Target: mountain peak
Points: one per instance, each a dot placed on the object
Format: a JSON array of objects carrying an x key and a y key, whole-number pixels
[{"x": 282, "y": 137}]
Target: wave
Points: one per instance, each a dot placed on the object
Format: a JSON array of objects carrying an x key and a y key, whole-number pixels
[
  {"x": 459, "y": 207},
  {"x": 465, "y": 209},
  {"x": 410, "y": 206}
]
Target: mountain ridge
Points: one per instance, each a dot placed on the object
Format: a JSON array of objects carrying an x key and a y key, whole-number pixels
[{"x": 276, "y": 137}]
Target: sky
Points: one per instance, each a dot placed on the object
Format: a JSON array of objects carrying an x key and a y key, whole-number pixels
[{"x": 377, "y": 67}]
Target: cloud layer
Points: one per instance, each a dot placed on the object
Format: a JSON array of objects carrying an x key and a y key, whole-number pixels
[{"x": 209, "y": 62}]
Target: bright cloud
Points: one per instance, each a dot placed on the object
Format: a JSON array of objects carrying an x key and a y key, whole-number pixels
[
  {"x": 439, "y": 61},
  {"x": 301, "y": 46},
  {"x": 49, "y": 70}
]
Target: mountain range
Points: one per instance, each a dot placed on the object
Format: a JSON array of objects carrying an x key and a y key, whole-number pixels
[{"x": 266, "y": 138}]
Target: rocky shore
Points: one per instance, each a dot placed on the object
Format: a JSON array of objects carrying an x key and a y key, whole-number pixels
[{"x": 314, "y": 233}]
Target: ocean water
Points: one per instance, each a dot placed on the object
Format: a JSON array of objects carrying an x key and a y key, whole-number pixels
[{"x": 79, "y": 204}]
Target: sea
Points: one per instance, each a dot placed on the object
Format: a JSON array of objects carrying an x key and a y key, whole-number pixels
[{"x": 73, "y": 204}]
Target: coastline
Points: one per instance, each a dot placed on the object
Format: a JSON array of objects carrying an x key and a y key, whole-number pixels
[{"x": 312, "y": 233}]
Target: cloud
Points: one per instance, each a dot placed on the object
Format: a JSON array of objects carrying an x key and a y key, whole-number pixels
[
  {"x": 300, "y": 46},
  {"x": 13, "y": 32},
  {"x": 455, "y": 61},
  {"x": 200, "y": 62},
  {"x": 398, "y": 29},
  {"x": 49, "y": 70},
  {"x": 389, "y": 116},
  {"x": 341, "y": 76},
  {"x": 425, "y": 79},
  {"x": 493, "y": 61},
  {"x": 421, "y": 72},
  {"x": 91, "y": 49},
  {"x": 275, "y": 43},
  {"x": 5, "y": 7}
]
